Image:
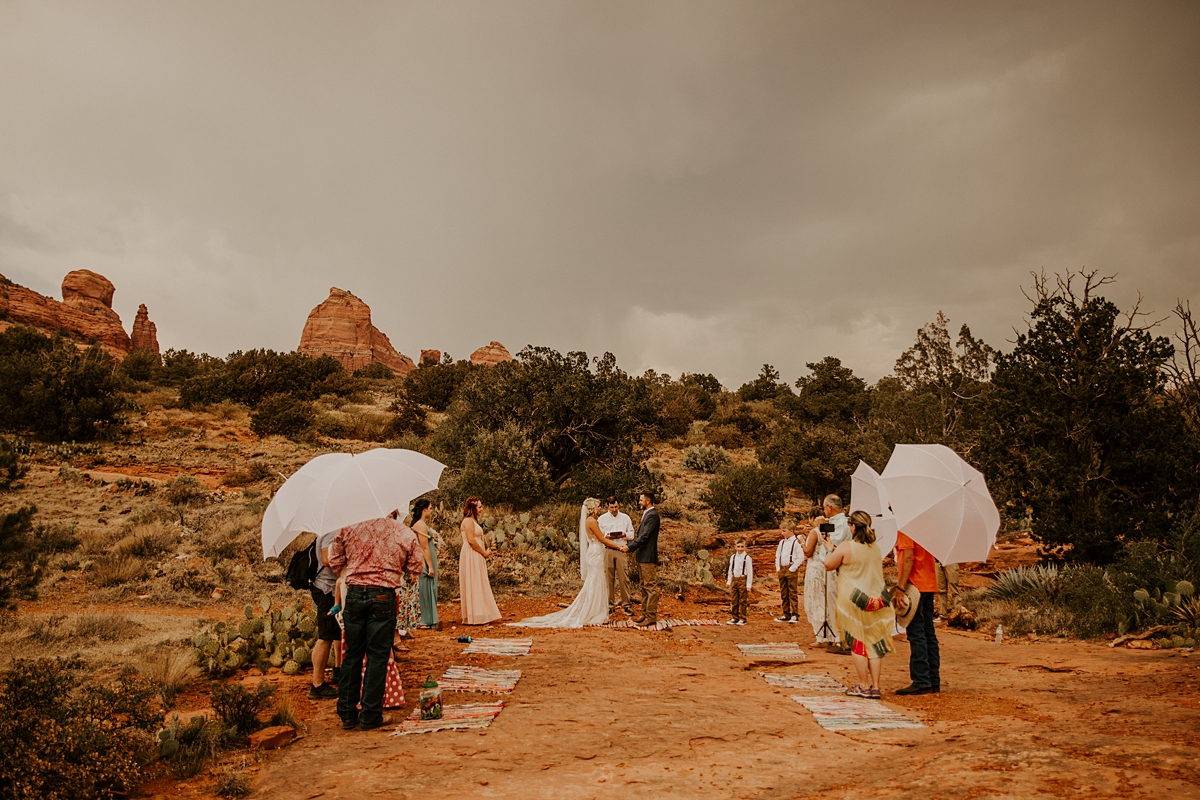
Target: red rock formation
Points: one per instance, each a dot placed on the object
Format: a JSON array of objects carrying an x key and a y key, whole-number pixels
[
  {"x": 431, "y": 355},
  {"x": 84, "y": 314},
  {"x": 145, "y": 333},
  {"x": 341, "y": 327},
  {"x": 490, "y": 355}
]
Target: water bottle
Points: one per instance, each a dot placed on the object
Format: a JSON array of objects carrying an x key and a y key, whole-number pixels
[
  {"x": 465, "y": 639},
  {"x": 999, "y": 634}
]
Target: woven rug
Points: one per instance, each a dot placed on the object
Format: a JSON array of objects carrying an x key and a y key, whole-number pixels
[
  {"x": 777, "y": 651},
  {"x": 810, "y": 683},
  {"x": 454, "y": 718},
  {"x": 499, "y": 647},
  {"x": 477, "y": 679},
  {"x": 854, "y": 714},
  {"x": 661, "y": 625}
]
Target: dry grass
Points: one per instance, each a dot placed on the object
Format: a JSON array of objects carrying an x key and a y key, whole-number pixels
[
  {"x": 106, "y": 627},
  {"x": 171, "y": 671},
  {"x": 50, "y": 628},
  {"x": 233, "y": 539},
  {"x": 147, "y": 540},
  {"x": 117, "y": 570},
  {"x": 1019, "y": 619},
  {"x": 285, "y": 714}
]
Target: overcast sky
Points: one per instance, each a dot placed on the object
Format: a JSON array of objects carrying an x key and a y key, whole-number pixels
[{"x": 695, "y": 186}]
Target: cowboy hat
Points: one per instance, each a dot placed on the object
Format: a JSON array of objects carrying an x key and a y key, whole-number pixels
[{"x": 913, "y": 595}]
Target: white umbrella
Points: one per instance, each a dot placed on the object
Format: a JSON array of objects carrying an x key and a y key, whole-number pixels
[
  {"x": 941, "y": 502},
  {"x": 868, "y": 495},
  {"x": 340, "y": 489}
]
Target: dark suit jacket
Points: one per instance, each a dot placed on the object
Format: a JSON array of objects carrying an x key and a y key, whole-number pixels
[{"x": 645, "y": 543}]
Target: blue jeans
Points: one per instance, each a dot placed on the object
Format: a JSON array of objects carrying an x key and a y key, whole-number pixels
[
  {"x": 924, "y": 661},
  {"x": 369, "y": 615}
]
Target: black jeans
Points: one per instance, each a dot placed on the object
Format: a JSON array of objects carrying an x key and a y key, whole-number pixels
[
  {"x": 924, "y": 661},
  {"x": 369, "y": 614}
]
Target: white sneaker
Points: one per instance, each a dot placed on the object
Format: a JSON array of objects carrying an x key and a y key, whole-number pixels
[
  {"x": 740, "y": 622},
  {"x": 782, "y": 619},
  {"x": 794, "y": 620},
  {"x": 732, "y": 622}
]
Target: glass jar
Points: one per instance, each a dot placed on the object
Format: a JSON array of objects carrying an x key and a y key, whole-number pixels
[{"x": 431, "y": 699}]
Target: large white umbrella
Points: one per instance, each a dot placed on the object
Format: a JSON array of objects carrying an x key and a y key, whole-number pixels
[
  {"x": 340, "y": 489},
  {"x": 866, "y": 494},
  {"x": 941, "y": 502}
]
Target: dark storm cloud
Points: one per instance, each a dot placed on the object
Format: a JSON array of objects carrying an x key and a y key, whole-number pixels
[{"x": 694, "y": 186}]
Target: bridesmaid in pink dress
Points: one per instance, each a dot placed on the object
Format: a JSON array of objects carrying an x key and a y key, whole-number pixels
[{"x": 474, "y": 591}]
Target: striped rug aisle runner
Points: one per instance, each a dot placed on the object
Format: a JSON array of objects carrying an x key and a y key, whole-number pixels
[
  {"x": 477, "y": 679},
  {"x": 854, "y": 714},
  {"x": 499, "y": 647},
  {"x": 454, "y": 718},
  {"x": 809, "y": 683},
  {"x": 661, "y": 625},
  {"x": 780, "y": 651}
]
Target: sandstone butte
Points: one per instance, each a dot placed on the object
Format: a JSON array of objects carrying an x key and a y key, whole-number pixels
[
  {"x": 341, "y": 327},
  {"x": 84, "y": 314},
  {"x": 145, "y": 334},
  {"x": 432, "y": 356},
  {"x": 490, "y": 355}
]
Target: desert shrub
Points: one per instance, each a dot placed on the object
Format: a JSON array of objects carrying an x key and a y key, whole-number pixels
[
  {"x": 56, "y": 538},
  {"x": 20, "y": 563},
  {"x": 690, "y": 542},
  {"x": 369, "y": 426},
  {"x": 231, "y": 784},
  {"x": 254, "y": 376},
  {"x": 117, "y": 570},
  {"x": 180, "y": 365},
  {"x": 233, "y": 540},
  {"x": 283, "y": 415},
  {"x": 705, "y": 458},
  {"x": 669, "y": 509},
  {"x": 408, "y": 418},
  {"x": 375, "y": 371},
  {"x": 51, "y": 389},
  {"x": 1036, "y": 584},
  {"x": 253, "y": 472},
  {"x": 503, "y": 467},
  {"x": 170, "y": 671},
  {"x": 285, "y": 714},
  {"x": 1092, "y": 601},
  {"x": 746, "y": 497},
  {"x": 238, "y": 707},
  {"x": 48, "y": 628},
  {"x": 12, "y": 467},
  {"x": 64, "y": 739},
  {"x": 1019, "y": 619},
  {"x": 146, "y": 540},
  {"x": 186, "y": 491},
  {"x": 332, "y": 426},
  {"x": 723, "y": 436},
  {"x": 106, "y": 627},
  {"x": 140, "y": 366},
  {"x": 434, "y": 384}
]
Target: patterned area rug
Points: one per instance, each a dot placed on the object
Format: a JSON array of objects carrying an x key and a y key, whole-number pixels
[
  {"x": 809, "y": 683},
  {"x": 854, "y": 714},
  {"x": 454, "y": 718},
  {"x": 778, "y": 651},
  {"x": 661, "y": 625},
  {"x": 477, "y": 679},
  {"x": 499, "y": 647}
]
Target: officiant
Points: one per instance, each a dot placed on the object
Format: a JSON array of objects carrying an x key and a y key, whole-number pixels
[{"x": 617, "y": 527}]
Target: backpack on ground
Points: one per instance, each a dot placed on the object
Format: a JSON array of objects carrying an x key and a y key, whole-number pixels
[{"x": 302, "y": 569}]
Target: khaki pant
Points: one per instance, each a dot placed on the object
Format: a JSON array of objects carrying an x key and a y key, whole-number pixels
[
  {"x": 947, "y": 584},
  {"x": 648, "y": 575},
  {"x": 788, "y": 592},
  {"x": 739, "y": 599},
  {"x": 616, "y": 575}
]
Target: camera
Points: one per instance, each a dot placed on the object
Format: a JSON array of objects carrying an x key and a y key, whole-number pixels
[{"x": 827, "y": 527}]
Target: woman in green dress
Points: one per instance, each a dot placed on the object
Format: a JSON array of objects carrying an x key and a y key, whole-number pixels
[{"x": 427, "y": 583}]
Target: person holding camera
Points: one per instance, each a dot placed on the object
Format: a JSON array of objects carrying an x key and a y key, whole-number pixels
[
  {"x": 864, "y": 608},
  {"x": 833, "y": 529}
]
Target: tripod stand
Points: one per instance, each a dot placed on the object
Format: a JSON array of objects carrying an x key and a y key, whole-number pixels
[{"x": 826, "y": 631}]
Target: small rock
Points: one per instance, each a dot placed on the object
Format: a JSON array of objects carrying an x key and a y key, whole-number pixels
[
  {"x": 1140, "y": 644},
  {"x": 272, "y": 738},
  {"x": 218, "y": 593}
]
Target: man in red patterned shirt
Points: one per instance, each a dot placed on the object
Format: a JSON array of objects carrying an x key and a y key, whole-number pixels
[{"x": 371, "y": 556}]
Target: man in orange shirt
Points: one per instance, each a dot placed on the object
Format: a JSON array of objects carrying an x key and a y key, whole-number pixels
[{"x": 924, "y": 662}]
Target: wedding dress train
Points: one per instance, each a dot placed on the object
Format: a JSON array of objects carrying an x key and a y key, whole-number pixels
[{"x": 590, "y": 606}]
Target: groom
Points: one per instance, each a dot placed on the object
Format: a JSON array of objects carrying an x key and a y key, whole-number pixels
[{"x": 645, "y": 543}]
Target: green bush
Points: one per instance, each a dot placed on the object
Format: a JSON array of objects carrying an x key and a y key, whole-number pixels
[
  {"x": 238, "y": 708},
  {"x": 375, "y": 371},
  {"x": 434, "y": 385},
  {"x": 64, "y": 739},
  {"x": 503, "y": 467},
  {"x": 283, "y": 415},
  {"x": 52, "y": 390},
  {"x": 746, "y": 497},
  {"x": 12, "y": 469},
  {"x": 140, "y": 366},
  {"x": 409, "y": 418},
  {"x": 21, "y": 563},
  {"x": 257, "y": 376},
  {"x": 705, "y": 457}
]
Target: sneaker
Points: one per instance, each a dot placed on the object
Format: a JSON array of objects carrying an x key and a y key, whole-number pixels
[
  {"x": 322, "y": 692},
  {"x": 334, "y": 672},
  {"x": 871, "y": 694},
  {"x": 794, "y": 620},
  {"x": 783, "y": 619},
  {"x": 386, "y": 720},
  {"x": 915, "y": 688},
  {"x": 855, "y": 691},
  {"x": 732, "y": 622},
  {"x": 741, "y": 622}
]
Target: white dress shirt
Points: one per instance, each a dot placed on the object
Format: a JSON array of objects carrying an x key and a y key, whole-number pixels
[
  {"x": 841, "y": 529},
  {"x": 620, "y": 524},
  {"x": 740, "y": 565},
  {"x": 789, "y": 553}
]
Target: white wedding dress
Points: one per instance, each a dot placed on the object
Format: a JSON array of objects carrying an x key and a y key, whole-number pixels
[{"x": 590, "y": 606}]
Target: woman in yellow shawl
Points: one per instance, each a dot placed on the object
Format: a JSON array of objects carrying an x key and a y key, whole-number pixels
[{"x": 865, "y": 614}]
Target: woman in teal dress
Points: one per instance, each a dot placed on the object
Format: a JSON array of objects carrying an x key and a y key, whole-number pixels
[{"x": 427, "y": 583}]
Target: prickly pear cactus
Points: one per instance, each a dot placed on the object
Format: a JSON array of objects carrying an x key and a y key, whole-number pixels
[
  {"x": 291, "y": 668},
  {"x": 278, "y": 634}
]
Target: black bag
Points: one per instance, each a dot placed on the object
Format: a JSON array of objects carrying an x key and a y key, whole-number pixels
[{"x": 302, "y": 570}]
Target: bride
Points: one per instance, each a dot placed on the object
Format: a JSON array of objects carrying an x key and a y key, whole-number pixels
[{"x": 590, "y": 606}]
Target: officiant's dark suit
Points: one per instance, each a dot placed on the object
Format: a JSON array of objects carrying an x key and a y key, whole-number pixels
[{"x": 645, "y": 549}]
